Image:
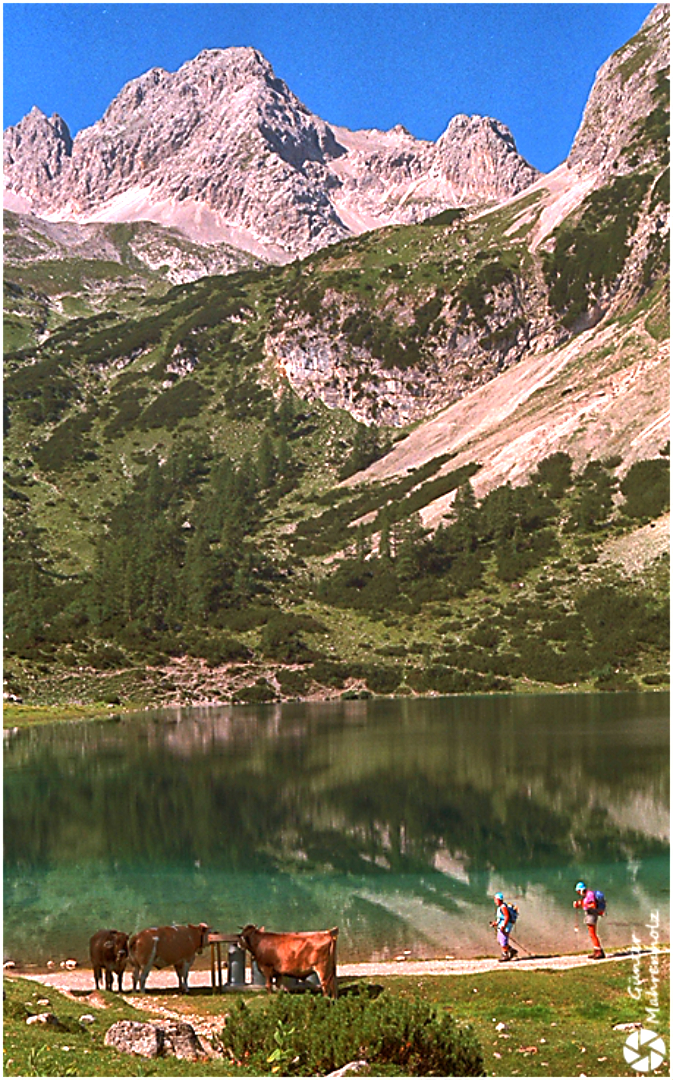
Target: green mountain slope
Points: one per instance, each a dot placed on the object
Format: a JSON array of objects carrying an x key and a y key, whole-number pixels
[
  {"x": 55, "y": 271},
  {"x": 404, "y": 464}
]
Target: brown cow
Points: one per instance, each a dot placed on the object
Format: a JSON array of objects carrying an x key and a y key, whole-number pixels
[
  {"x": 163, "y": 946},
  {"x": 109, "y": 951},
  {"x": 293, "y": 954}
]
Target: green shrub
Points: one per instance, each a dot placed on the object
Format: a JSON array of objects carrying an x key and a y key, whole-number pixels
[
  {"x": 218, "y": 650},
  {"x": 445, "y": 217},
  {"x": 258, "y": 694},
  {"x": 246, "y": 618},
  {"x": 658, "y": 678},
  {"x": 292, "y": 683},
  {"x": 310, "y": 1036},
  {"x": 124, "y": 409},
  {"x": 69, "y": 443},
  {"x": 476, "y": 290},
  {"x": 544, "y": 664},
  {"x": 486, "y": 634},
  {"x": 554, "y": 474},
  {"x": 616, "y": 683},
  {"x": 444, "y": 680},
  {"x": 382, "y": 680},
  {"x": 281, "y": 639},
  {"x": 186, "y": 399},
  {"x": 646, "y": 489},
  {"x": 328, "y": 673},
  {"x": 104, "y": 657},
  {"x": 398, "y": 651}
]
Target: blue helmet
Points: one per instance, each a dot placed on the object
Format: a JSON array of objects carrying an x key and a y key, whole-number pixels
[
  {"x": 580, "y": 887},
  {"x": 498, "y": 896}
]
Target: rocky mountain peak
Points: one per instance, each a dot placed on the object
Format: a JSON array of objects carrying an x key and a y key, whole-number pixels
[
  {"x": 39, "y": 131},
  {"x": 480, "y": 160},
  {"x": 238, "y": 62},
  {"x": 40, "y": 148},
  {"x": 225, "y": 151}
]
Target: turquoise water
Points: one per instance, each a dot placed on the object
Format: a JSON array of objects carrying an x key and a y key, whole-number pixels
[{"x": 395, "y": 820}]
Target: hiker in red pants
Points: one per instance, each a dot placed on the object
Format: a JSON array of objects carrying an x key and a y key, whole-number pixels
[{"x": 592, "y": 912}]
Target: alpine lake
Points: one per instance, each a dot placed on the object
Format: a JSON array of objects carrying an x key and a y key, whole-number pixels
[{"x": 393, "y": 819}]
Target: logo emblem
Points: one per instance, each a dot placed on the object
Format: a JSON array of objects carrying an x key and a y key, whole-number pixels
[{"x": 644, "y": 1050}]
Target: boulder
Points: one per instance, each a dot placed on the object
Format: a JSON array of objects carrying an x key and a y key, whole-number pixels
[
  {"x": 45, "y": 1018},
  {"x": 181, "y": 1040},
  {"x": 134, "y": 1037},
  {"x": 174, "y": 1037}
]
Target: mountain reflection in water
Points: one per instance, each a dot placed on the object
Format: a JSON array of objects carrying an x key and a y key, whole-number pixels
[{"x": 393, "y": 819}]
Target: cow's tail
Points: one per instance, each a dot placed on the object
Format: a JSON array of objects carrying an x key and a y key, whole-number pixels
[
  {"x": 331, "y": 980},
  {"x": 135, "y": 969}
]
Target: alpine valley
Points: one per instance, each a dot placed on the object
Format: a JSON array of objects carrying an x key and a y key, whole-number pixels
[{"x": 293, "y": 411}]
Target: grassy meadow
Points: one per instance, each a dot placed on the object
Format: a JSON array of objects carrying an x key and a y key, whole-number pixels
[{"x": 556, "y": 1023}]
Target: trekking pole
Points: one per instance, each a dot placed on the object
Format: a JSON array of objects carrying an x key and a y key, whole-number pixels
[
  {"x": 521, "y": 946},
  {"x": 495, "y": 931}
]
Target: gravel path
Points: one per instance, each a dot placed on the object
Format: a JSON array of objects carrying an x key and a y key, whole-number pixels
[{"x": 80, "y": 980}]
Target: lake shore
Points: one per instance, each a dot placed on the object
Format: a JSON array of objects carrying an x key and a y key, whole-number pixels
[{"x": 16, "y": 716}]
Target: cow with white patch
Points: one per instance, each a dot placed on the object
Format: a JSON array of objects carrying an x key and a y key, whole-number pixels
[
  {"x": 166, "y": 946},
  {"x": 296, "y": 955}
]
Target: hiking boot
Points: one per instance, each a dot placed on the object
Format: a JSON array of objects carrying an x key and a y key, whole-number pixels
[
  {"x": 598, "y": 954},
  {"x": 504, "y": 958},
  {"x": 513, "y": 953}
]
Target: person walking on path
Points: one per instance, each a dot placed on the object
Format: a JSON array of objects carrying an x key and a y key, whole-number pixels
[
  {"x": 503, "y": 923},
  {"x": 587, "y": 901}
]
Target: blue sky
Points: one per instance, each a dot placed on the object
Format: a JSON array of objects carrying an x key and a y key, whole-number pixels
[{"x": 359, "y": 65}]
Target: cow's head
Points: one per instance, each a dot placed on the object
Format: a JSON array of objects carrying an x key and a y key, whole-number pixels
[
  {"x": 121, "y": 946},
  {"x": 204, "y": 931},
  {"x": 116, "y": 945},
  {"x": 247, "y": 934}
]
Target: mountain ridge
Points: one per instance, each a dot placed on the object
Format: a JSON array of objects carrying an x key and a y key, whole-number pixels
[{"x": 225, "y": 151}]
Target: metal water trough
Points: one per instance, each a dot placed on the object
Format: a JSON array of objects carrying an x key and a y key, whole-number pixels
[{"x": 236, "y": 968}]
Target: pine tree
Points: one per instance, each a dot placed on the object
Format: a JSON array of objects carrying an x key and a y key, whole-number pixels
[
  {"x": 266, "y": 462},
  {"x": 384, "y": 536},
  {"x": 362, "y": 543},
  {"x": 465, "y": 527},
  {"x": 407, "y": 563},
  {"x": 285, "y": 414}
]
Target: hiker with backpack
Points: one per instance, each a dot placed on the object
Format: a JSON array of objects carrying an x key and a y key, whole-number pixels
[
  {"x": 505, "y": 917},
  {"x": 592, "y": 903}
]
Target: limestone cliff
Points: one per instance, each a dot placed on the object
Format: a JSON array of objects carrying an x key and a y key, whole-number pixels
[{"x": 614, "y": 125}]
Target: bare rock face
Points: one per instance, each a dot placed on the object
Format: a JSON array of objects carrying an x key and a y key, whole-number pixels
[
  {"x": 38, "y": 149},
  {"x": 225, "y": 151},
  {"x": 389, "y": 177},
  {"x": 479, "y": 160},
  {"x": 624, "y": 93},
  {"x": 320, "y": 360}
]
